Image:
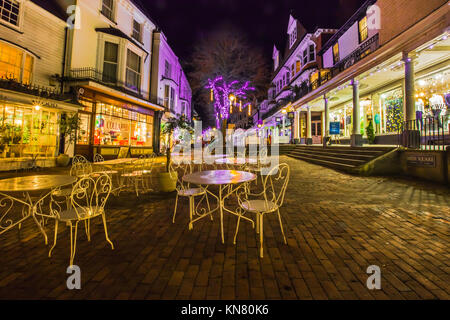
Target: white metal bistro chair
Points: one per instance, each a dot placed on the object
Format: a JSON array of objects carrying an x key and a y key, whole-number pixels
[
  {"x": 268, "y": 201},
  {"x": 87, "y": 201},
  {"x": 98, "y": 158},
  {"x": 133, "y": 177},
  {"x": 79, "y": 158},
  {"x": 185, "y": 190}
]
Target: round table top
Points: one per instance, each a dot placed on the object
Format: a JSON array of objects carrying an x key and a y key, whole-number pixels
[
  {"x": 35, "y": 183},
  {"x": 219, "y": 177},
  {"x": 115, "y": 161},
  {"x": 236, "y": 161}
]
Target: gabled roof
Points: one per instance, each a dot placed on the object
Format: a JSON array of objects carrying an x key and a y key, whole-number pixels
[{"x": 275, "y": 52}]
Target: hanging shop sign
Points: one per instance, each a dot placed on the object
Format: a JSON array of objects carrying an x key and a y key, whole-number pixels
[
  {"x": 420, "y": 160},
  {"x": 277, "y": 120},
  {"x": 335, "y": 128},
  {"x": 291, "y": 115}
]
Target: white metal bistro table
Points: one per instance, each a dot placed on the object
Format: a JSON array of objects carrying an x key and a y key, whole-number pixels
[
  {"x": 223, "y": 179},
  {"x": 26, "y": 185},
  {"x": 114, "y": 162}
]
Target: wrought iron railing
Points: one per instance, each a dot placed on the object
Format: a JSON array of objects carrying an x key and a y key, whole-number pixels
[
  {"x": 92, "y": 74},
  {"x": 431, "y": 133},
  {"x": 11, "y": 83}
]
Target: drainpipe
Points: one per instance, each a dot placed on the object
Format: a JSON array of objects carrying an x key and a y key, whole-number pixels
[{"x": 63, "y": 73}]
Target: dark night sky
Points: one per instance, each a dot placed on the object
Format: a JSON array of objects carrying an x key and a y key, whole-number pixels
[{"x": 263, "y": 21}]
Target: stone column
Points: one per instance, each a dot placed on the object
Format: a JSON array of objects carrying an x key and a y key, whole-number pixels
[
  {"x": 356, "y": 137},
  {"x": 411, "y": 134},
  {"x": 326, "y": 123},
  {"x": 308, "y": 126}
]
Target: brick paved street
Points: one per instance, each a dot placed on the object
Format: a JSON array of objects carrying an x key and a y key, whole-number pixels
[{"x": 337, "y": 225}]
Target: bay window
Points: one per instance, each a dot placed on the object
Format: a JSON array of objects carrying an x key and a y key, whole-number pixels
[
  {"x": 110, "y": 62},
  {"x": 15, "y": 64}
]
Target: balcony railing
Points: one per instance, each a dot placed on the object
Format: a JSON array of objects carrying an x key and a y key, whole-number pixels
[
  {"x": 363, "y": 50},
  {"x": 92, "y": 74},
  {"x": 431, "y": 133},
  {"x": 11, "y": 83}
]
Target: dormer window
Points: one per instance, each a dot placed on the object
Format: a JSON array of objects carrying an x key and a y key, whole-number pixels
[
  {"x": 312, "y": 53},
  {"x": 292, "y": 37}
]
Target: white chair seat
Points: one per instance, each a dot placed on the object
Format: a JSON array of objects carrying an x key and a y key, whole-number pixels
[
  {"x": 259, "y": 206},
  {"x": 85, "y": 213},
  {"x": 191, "y": 192}
]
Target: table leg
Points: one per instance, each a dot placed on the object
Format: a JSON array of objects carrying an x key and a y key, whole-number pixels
[{"x": 221, "y": 204}]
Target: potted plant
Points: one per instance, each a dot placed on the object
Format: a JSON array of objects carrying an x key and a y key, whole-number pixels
[
  {"x": 68, "y": 127},
  {"x": 168, "y": 180},
  {"x": 5, "y": 139},
  {"x": 370, "y": 132}
]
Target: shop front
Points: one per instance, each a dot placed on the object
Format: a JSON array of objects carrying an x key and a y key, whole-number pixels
[
  {"x": 29, "y": 130},
  {"x": 109, "y": 124}
]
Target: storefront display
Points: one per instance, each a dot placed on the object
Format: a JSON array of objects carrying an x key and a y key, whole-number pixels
[{"x": 28, "y": 130}]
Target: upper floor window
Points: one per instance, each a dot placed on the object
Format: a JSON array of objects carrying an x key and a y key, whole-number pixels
[
  {"x": 293, "y": 69},
  {"x": 15, "y": 64},
  {"x": 167, "y": 69},
  {"x": 298, "y": 66},
  {"x": 110, "y": 61},
  {"x": 10, "y": 11},
  {"x": 305, "y": 57},
  {"x": 172, "y": 98},
  {"x": 288, "y": 78},
  {"x": 133, "y": 74},
  {"x": 108, "y": 9},
  {"x": 137, "y": 30},
  {"x": 362, "y": 26},
  {"x": 336, "y": 53},
  {"x": 292, "y": 37},
  {"x": 312, "y": 53},
  {"x": 166, "y": 95}
]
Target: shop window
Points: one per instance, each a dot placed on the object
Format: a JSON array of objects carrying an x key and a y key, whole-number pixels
[
  {"x": 137, "y": 31},
  {"x": 10, "y": 11},
  {"x": 362, "y": 26},
  {"x": 134, "y": 130},
  {"x": 110, "y": 62},
  {"x": 336, "y": 53},
  {"x": 133, "y": 74},
  {"x": 108, "y": 9},
  {"x": 15, "y": 64},
  {"x": 83, "y": 132}
]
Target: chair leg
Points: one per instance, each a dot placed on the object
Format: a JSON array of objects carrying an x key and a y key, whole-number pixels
[
  {"x": 191, "y": 212},
  {"x": 237, "y": 229},
  {"x": 261, "y": 238},
  {"x": 281, "y": 226},
  {"x": 54, "y": 240},
  {"x": 87, "y": 227},
  {"x": 175, "y": 210},
  {"x": 73, "y": 241},
  {"x": 106, "y": 231}
]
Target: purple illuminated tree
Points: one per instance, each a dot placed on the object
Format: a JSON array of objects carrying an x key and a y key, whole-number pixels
[{"x": 221, "y": 95}]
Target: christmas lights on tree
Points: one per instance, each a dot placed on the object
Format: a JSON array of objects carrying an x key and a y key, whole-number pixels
[{"x": 225, "y": 94}]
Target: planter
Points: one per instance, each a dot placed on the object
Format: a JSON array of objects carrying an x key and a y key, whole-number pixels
[
  {"x": 167, "y": 181},
  {"x": 62, "y": 160}
]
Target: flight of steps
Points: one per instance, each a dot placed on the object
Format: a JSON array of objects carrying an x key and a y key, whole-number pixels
[{"x": 341, "y": 158}]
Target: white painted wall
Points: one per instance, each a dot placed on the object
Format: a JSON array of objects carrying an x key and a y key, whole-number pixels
[
  {"x": 49, "y": 46},
  {"x": 349, "y": 41},
  {"x": 328, "y": 58}
]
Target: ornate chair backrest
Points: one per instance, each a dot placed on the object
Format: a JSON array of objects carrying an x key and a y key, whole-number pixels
[
  {"x": 80, "y": 169},
  {"x": 181, "y": 169},
  {"x": 79, "y": 158},
  {"x": 275, "y": 184},
  {"x": 9, "y": 211},
  {"x": 89, "y": 195},
  {"x": 98, "y": 158}
]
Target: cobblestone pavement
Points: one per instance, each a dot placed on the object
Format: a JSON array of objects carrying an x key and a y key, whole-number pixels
[{"x": 336, "y": 224}]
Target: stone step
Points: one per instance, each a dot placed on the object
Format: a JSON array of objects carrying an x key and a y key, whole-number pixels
[
  {"x": 366, "y": 157},
  {"x": 367, "y": 151},
  {"x": 349, "y": 161},
  {"x": 330, "y": 164}
]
